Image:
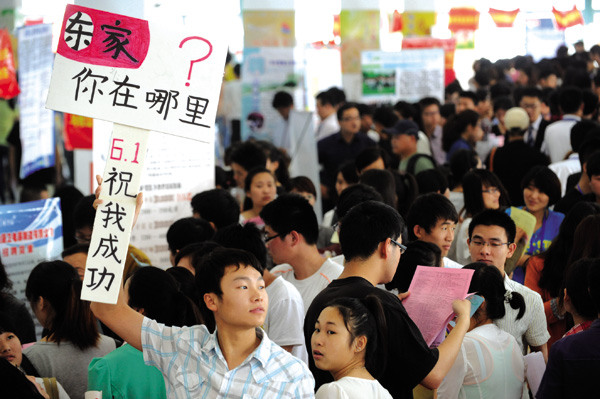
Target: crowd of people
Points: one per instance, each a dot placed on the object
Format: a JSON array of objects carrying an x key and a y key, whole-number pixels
[{"x": 266, "y": 298}]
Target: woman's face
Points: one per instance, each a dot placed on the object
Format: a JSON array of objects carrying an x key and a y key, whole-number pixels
[
  {"x": 309, "y": 197},
  {"x": 10, "y": 348},
  {"x": 340, "y": 183},
  {"x": 491, "y": 197},
  {"x": 535, "y": 200},
  {"x": 332, "y": 347},
  {"x": 262, "y": 189}
]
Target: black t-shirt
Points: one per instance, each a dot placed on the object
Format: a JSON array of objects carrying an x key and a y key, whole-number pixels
[{"x": 409, "y": 359}]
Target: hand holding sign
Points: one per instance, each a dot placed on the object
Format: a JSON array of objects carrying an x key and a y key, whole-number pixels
[{"x": 138, "y": 203}]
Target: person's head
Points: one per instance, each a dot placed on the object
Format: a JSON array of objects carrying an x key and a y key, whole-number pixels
[
  {"x": 33, "y": 191},
  {"x": 216, "y": 206},
  {"x": 349, "y": 118},
  {"x": 155, "y": 293},
  {"x": 189, "y": 257},
  {"x": 345, "y": 177},
  {"x": 245, "y": 157},
  {"x": 432, "y": 181},
  {"x": 325, "y": 105},
  {"x": 350, "y": 331},
  {"x": 482, "y": 190},
  {"x": 488, "y": 282},
  {"x": 370, "y": 158},
  {"x": 592, "y": 168},
  {"x": 501, "y": 105},
  {"x": 590, "y": 103},
  {"x": 586, "y": 241},
  {"x": 383, "y": 182},
  {"x": 467, "y": 100},
  {"x": 53, "y": 290},
  {"x": 516, "y": 121},
  {"x": 418, "y": 253},
  {"x": 10, "y": 345},
  {"x": 303, "y": 186},
  {"x": 366, "y": 117},
  {"x": 557, "y": 255},
  {"x": 541, "y": 188},
  {"x": 491, "y": 238},
  {"x": 547, "y": 77},
  {"x": 464, "y": 124},
  {"x": 432, "y": 218},
  {"x": 430, "y": 112},
  {"x": 277, "y": 161},
  {"x": 405, "y": 110},
  {"x": 404, "y": 136},
  {"x": 290, "y": 225},
  {"x": 283, "y": 102},
  {"x": 384, "y": 117},
  {"x": 247, "y": 237},
  {"x": 461, "y": 162},
  {"x": 580, "y": 131},
  {"x": 186, "y": 282},
  {"x": 187, "y": 231},
  {"x": 15, "y": 384},
  {"x": 338, "y": 96},
  {"x": 5, "y": 283},
  {"x": 76, "y": 256},
  {"x": 372, "y": 229},
  {"x": 355, "y": 195},
  {"x": 83, "y": 217},
  {"x": 570, "y": 100},
  {"x": 232, "y": 289},
  {"x": 577, "y": 297},
  {"x": 531, "y": 101},
  {"x": 589, "y": 147},
  {"x": 260, "y": 187}
]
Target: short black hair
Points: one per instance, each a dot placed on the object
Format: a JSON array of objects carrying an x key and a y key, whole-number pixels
[
  {"x": 469, "y": 94},
  {"x": 325, "y": 98},
  {"x": 473, "y": 184},
  {"x": 494, "y": 217},
  {"x": 383, "y": 182},
  {"x": 196, "y": 251},
  {"x": 589, "y": 146},
  {"x": 368, "y": 156},
  {"x": 427, "y": 101},
  {"x": 545, "y": 180},
  {"x": 406, "y": 110},
  {"x": 504, "y": 103},
  {"x": 303, "y": 184},
  {"x": 570, "y": 99},
  {"x": 461, "y": 162},
  {"x": 579, "y": 133},
  {"x": 528, "y": 92},
  {"x": 364, "y": 109},
  {"x": 427, "y": 210},
  {"x": 365, "y": 226},
  {"x": 431, "y": 181},
  {"x": 32, "y": 191},
  {"x": 576, "y": 284},
  {"x": 247, "y": 237},
  {"x": 217, "y": 206},
  {"x": 188, "y": 231},
  {"x": 211, "y": 270},
  {"x": 344, "y": 108},
  {"x": 385, "y": 115},
  {"x": 418, "y": 253},
  {"x": 79, "y": 248},
  {"x": 590, "y": 102},
  {"x": 338, "y": 96},
  {"x": 84, "y": 212},
  {"x": 252, "y": 173},
  {"x": 348, "y": 171},
  {"x": 248, "y": 155},
  {"x": 593, "y": 165},
  {"x": 282, "y": 99},
  {"x": 292, "y": 212},
  {"x": 355, "y": 195}
]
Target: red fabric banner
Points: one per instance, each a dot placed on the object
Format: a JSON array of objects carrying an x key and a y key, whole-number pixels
[
  {"x": 504, "y": 19},
  {"x": 9, "y": 87},
  {"x": 78, "y": 132},
  {"x": 463, "y": 18},
  {"x": 566, "y": 19}
]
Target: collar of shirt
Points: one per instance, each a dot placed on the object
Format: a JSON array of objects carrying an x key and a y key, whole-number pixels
[
  {"x": 260, "y": 356},
  {"x": 536, "y": 125}
]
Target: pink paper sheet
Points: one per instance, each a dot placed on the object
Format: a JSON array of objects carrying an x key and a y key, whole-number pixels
[{"x": 432, "y": 291}]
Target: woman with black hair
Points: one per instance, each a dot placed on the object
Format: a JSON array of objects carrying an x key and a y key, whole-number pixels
[
  {"x": 546, "y": 271},
  {"x": 490, "y": 363},
  {"x": 482, "y": 190},
  {"x": 122, "y": 373},
  {"x": 53, "y": 291},
  {"x": 349, "y": 336},
  {"x": 462, "y": 131},
  {"x": 15, "y": 309}
]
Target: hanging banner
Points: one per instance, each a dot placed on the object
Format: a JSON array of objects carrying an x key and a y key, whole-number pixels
[
  {"x": 407, "y": 75},
  {"x": 78, "y": 132},
  {"x": 36, "y": 122},
  {"x": 417, "y": 23},
  {"x": 566, "y": 19},
  {"x": 396, "y": 22},
  {"x": 504, "y": 19},
  {"x": 449, "y": 47},
  {"x": 9, "y": 87},
  {"x": 463, "y": 18},
  {"x": 136, "y": 73},
  {"x": 30, "y": 233}
]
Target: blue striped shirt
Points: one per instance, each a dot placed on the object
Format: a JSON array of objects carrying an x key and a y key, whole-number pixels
[{"x": 193, "y": 366}]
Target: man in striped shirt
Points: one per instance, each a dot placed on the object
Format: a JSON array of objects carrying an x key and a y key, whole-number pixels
[{"x": 236, "y": 361}]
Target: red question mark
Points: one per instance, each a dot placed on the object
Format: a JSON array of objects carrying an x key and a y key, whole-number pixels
[{"x": 210, "y": 48}]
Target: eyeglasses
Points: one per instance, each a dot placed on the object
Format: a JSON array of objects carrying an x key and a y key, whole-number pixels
[
  {"x": 492, "y": 191},
  {"x": 267, "y": 238},
  {"x": 350, "y": 118},
  {"x": 402, "y": 247},
  {"x": 492, "y": 244}
]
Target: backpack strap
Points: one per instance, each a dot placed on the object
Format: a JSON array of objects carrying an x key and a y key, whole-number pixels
[
  {"x": 412, "y": 162},
  {"x": 51, "y": 387}
]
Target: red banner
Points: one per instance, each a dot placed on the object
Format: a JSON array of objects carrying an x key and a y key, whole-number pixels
[
  {"x": 463, "y": 18},
  {"x": 504, "y": 19},
  {"x": 78, "y": 132},
  {"x": 102, "y": 38},
  {"x": 566, "y": 19},
  {"x": 396, "y": 23},
  {"x": 9, "y": 87}
]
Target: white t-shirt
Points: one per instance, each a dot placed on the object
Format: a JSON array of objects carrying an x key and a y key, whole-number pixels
[
  {"x": 310, "y": 287},
  {"x": 353, "y": 388},
  {"x": 566, "y": 168},
  {"x": 285, "y": 319},
  {"x": 557, "y": 140},
  {"x": 449, "y": 263}
]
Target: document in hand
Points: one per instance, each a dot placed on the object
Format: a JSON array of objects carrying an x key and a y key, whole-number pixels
[{"x": 432, "y": 291}]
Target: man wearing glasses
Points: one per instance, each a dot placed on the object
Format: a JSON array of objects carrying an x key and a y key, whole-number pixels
[{"x": 491, "y": 240}]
